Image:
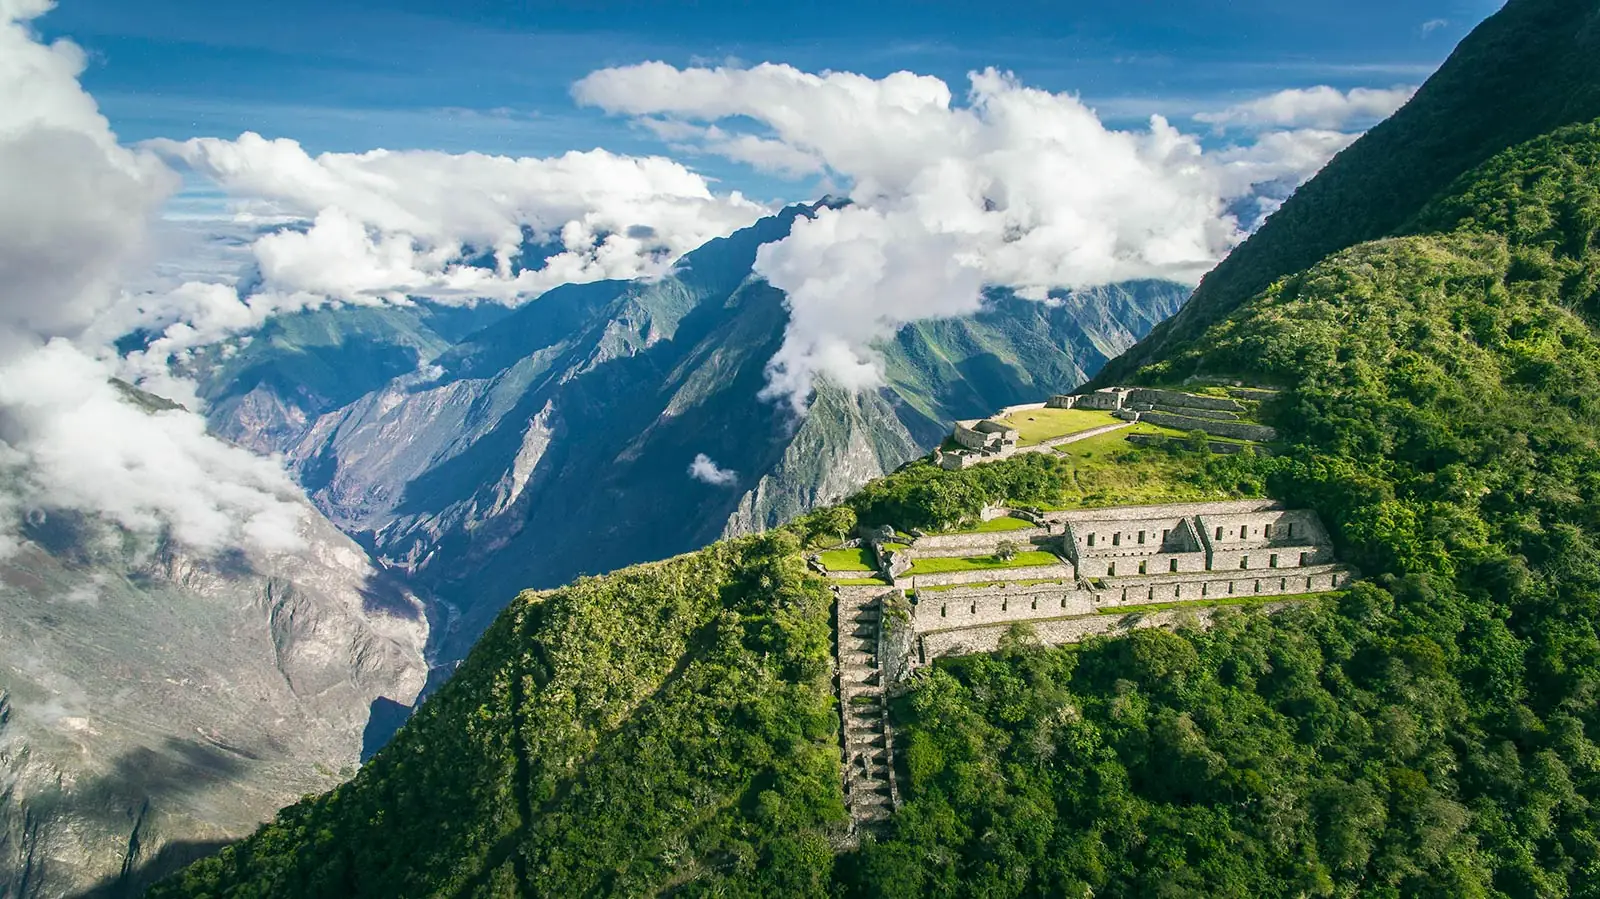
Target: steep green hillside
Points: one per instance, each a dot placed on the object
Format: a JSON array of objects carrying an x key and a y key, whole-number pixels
[
  {"x": 1529, "y": 69},
  {"x": 667, "y": 725}
]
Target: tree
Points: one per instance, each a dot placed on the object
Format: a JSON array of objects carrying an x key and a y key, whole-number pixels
[{"x": 1007, "y": 550}]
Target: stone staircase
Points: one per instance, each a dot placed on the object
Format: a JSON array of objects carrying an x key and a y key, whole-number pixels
[{"x": 868, "y": 741}]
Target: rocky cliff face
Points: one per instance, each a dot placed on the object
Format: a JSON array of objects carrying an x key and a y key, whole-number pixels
[
  {"x": 557, "y": 440},
  {"x": 154, "y": 704}
]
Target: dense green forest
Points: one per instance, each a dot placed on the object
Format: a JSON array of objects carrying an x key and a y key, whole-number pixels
[
  {"x": 1529, "y": 69},
  {"x": 670, "y": 729}
]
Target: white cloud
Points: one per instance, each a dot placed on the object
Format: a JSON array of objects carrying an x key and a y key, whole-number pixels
[
  {"x": 1319, "y": 107},
  {"x": 88, "y": 448},
  {"x": 1017, "y": 187},
  {"x": 1433, "y": 25},
  {"x": 74, "y": 206},
  {"x": 387, "y": 225},
  {"x": 704, "y": 469}
]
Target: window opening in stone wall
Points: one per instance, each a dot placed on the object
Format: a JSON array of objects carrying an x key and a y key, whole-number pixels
[
  {"x": 1244, "y": 561},
  {"x": 1150, "y": 594},
  {"x": 1177, "y": 592},
  {"x": 1283, "y": 584},
  {"x": 1116, "y": 539},
  {"x": 1004, "y": 604},
  {"x": 1172, "y": 564},
  {"x": 1308, "y": 583},
  {"x": 944, "y": 610},
  {"x": 1091, "y": 539},
  {"x": 1219, "y": 532},
  {"x": 1258, "y": 586},
  {"x": 1205, "y": 589},
  {"x": 1111, "y": 569},
  {"x": 974, "y": 608},
  {"x": 1305, "y": 559},
  {"x": 1034, "y": 605},
  {"x": 1291, "y": 529},
  {"x": 1144, "y": 568},
  {"x": 1141, "y": 537},
  {"x": 1063, "y": 602},
  {"x": 1164, "y": 533},
  {"x": 1266, "y": 532},
  {"x": 1244, "y": 532},
  {"x": 1272, "y": 561},
  {"x": 1230, "y": 588}
]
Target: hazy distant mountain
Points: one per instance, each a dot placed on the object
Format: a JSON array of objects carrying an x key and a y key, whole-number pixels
[{"x": 154, "y": 702}]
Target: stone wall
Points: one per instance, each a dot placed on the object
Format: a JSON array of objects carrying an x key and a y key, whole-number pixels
[
  {"x": 1237, "y": 430},
  {"x": 1216, "y": 446},
  {"x": 969, "y": 438},
  {"x": 1061, "y": 401},
  {"x": 971, "y": 607},
  {"x": 1221, "y": 585},
  {"x": 1116, "y": 537},
  {"x": 1208, "y": 414},
  {"x": 1108, "y": 565},
  {"x": 1278, "y": 527},
  {"x": 1164, "y": 510},
  {"x": 1100, "y": 399},
  {"x": 1076, "y": 630},
  {"x": 1260, "y": 558},
  {"x": 1157, "y": 397},
  {"x": 1026, "y": 573},
  {"x": 950, "y": 545}
]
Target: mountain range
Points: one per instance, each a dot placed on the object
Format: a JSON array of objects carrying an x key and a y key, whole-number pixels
[{"x": 479, "y": 451}]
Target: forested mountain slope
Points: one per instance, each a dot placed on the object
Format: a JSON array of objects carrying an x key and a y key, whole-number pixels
[
  {"x": 1529, "y": 69},
  {"x": 1431, "y": 732}
]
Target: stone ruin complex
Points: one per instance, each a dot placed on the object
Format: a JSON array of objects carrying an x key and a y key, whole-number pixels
[
  {"x": 980, "y": 440},
  {"x": 1218, "y": 416},
  {"x": 1113, "y": 570}
]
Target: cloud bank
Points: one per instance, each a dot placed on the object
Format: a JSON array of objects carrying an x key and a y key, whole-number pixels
[
  {"x": 1016, "y": 187},
  {"x": 1321, "y": 107},
  {"x": 385, "y": 226},
  {"x": 74, "y": 207}
]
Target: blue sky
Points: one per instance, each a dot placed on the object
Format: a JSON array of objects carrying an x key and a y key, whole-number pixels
[{"x": 494, "y": 75}]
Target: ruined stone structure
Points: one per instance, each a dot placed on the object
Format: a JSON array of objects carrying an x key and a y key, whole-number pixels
[
  {"x": 1115, "y": 558},
  {"x": 1116, "y": 570},
  {"x": 990, "y": 439},
  {"x": 978, "y": 441}
]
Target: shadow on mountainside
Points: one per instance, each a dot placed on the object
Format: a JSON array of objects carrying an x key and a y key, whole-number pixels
[{"x": 169, "y": 859}]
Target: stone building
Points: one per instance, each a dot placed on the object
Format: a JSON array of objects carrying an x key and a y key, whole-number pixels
[
  {"x": 988, "y": 440},
  {"x": 978, "y": 440},
  {"x": 1115, "y": 558}
]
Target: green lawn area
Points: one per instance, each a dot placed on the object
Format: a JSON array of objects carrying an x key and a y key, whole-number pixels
[
  {"x": 981, "y": 563},
  {"x": 1038, "y": 425},
  {"x": 858, "y": 559},
  {"x": 895, "y": 547},
  {"x": 996, "y": 525},
  {"x": 861, "y": 582},
  {"x": 1107, "y": 470}
]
